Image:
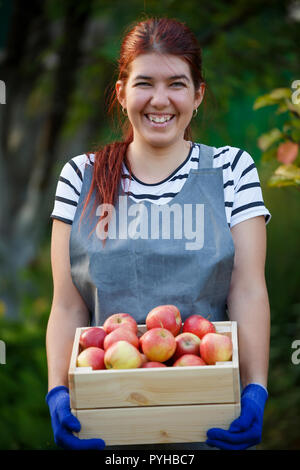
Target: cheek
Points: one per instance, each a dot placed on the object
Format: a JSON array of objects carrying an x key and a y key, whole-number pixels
[
  {"x": 137, "y": 101},
  {"x": 184, "y": 103}
]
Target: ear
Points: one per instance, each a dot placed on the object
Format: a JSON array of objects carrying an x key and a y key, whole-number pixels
[
  {"x": 199, "y": 94},
  {"x": 120, "y": 92}
]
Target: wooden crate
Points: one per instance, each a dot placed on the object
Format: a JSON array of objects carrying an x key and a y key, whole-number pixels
[{"x": 158, "y": 405}]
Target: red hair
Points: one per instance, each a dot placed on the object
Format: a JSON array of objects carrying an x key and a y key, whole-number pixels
[{"x": 161, "y": 35}]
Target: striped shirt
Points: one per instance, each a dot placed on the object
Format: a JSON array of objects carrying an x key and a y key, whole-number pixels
[{"x": 243, "y": 197}]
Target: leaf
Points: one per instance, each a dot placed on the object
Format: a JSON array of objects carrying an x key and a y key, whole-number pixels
[
  {"x": 293, "y": 107},
  {"x": 282, "y": 108},
  {"x": 272, "y": 98},
  {"x": 266, "y": 140},
  {"x": 280, "y": 93},
  {"x": 277, "y": 181},
  {"x": 263, "y": 101},
  {"x": 288, "y": 171}
]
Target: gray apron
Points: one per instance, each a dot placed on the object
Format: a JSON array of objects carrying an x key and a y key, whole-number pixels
[{"x": 184, "y": 257}]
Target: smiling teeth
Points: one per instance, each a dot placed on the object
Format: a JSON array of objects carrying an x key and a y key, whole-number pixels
[{"x": 159, "y": 119}]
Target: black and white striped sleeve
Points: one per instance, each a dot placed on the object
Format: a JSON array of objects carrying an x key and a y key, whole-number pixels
[
  {"x": 68, "y": 189},
  {"x": 248, "y": 198}
]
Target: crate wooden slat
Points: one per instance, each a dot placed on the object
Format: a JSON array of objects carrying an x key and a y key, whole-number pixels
[
  {"x": 158, "y": 424},
  {"x": 109, "y": 402}
]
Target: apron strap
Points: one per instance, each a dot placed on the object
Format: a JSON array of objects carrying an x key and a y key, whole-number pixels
[{"x": 206, "y": 156}]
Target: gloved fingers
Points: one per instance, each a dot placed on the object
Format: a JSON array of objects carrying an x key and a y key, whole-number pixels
[
  {"x": 243, "y": 437},
  {"x": 70, "y": 422},
  {"x": 227, "y": 446},
  {"x": 65, "y": 417},
  {"x": 243, "y": 422},
  {"x": 68, "y": 441}
]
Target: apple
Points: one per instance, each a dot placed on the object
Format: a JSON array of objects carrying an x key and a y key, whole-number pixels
[
  {"x": 144, "y": 358},
  {"x": 93, "y": 336},
  {"x": 121, "y": 333},
  {"x": 158, "y": 344},
  {"x": 122, "y": 355},
  {"x": 151, "y": 364},
  {"x": 198, "y": 325},
  {"x": 117, "y": 319},
  {"x": 91, "y": 357},
  {"x": 165, "y": 316},
  {"x": 216, "y": 347},
  {"x": 189, "y": 360},
  {"x": 187, "y": 343}
]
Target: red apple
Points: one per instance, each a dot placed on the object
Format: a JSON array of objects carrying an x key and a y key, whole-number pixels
[
  {"x": 117, "y": 319},
  {"x": 189, "y": 360},
  {"x": 122, "y": 355},
  {"x": 121, "y": 333},
  {"x": 165, "y": 316},
  {"x": 91, "y": 357},
  {"x": 150, "y": 364},
  {"x": 140, "y": 345},
  {"x": 158, "y": 344},
  {"x": 93, "y": 336},
  {"x": 198, "y": 325},
  {"x": 144, "y": 358},
  {"x": 216, "y": 347},
  {"x": 186, "y": 343}
]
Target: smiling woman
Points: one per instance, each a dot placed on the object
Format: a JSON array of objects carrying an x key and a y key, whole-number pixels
[{"x": 209, "y": 196}]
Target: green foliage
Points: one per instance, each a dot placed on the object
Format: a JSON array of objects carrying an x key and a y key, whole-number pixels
[
  {"x": 282, "y": 144},
  {"x": 24, "y": 416},
  {"x": 282, "y": 415}
]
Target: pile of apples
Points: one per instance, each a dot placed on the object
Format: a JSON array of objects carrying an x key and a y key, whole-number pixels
[{"x": 167, "y": 342}]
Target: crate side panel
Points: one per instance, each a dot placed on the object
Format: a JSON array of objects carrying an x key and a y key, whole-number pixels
[
  {"x": 150, "y": 387},
  {"x": 164, "y": 424}
]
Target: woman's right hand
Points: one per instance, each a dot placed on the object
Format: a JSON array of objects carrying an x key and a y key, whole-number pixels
[{"x": 64, "y": 423}]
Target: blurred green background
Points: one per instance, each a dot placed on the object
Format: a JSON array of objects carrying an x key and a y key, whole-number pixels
[{"x": 57, "y": 59}]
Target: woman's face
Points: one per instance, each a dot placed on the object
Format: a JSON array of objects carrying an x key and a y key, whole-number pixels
[{"x": 160, "y": 98}]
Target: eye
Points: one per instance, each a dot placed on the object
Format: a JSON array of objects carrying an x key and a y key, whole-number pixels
[
  {"x": 142, "y": 83},
  {"x": 178, "y": 84}
]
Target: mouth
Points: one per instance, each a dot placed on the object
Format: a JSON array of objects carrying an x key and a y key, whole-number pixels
[{"x": 161, "y": 120}]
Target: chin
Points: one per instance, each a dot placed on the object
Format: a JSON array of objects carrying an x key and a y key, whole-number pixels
[{"x": 161, "y": 141}]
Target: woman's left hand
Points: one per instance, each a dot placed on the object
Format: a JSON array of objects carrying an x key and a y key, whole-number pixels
[{"x": 245, "y": 431}]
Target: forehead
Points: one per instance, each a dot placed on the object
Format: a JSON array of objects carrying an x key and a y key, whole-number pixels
[{"x": 156, "y": 65}]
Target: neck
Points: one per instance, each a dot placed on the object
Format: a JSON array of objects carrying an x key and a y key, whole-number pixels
[{"x": 152, "y": 164}]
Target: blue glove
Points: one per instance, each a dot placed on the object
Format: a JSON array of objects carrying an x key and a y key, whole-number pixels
[
  {"x": 246, "y": 430},
  {"x": 64, "y": 423}
]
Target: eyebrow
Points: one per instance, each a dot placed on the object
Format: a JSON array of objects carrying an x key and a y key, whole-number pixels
[{"x": 173, "y": 77}]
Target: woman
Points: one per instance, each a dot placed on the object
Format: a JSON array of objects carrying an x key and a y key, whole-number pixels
[{"x": 105, "y": 258}]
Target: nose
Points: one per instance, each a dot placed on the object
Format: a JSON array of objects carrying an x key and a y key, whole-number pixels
[{"x": 160, "y": 98}]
